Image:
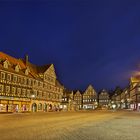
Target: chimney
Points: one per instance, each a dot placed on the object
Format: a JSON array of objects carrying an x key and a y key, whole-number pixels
[{"x": 26, "y": 59}]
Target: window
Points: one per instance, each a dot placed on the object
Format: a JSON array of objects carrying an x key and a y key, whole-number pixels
[
  {"x": 28, "y": 93},
  {"x": 2, "y": 75},
  {"x": 34, "y": 93},
  {"x": 29, "y": 82},
  {"x": 1, "y": 88},
  {"x": 24, "y": 81},
  {"x": 19, "y": 80},
  {"x": 7, "y": 89},
  {"x": 53, "y": 96},
  {"x": 17, "y": 68},
  {"x": 41, "y": 84},
  {"x": 23, "y": 92},
  {"x": 8, "y": 77},
  {"x": 48, "y": 78},
  {"x": 19, "y": 91},
  {"x": 14, "y": 78},
  {"x": 5, "y": 64},
  {"x": 40, "y": 93},
  {"x": 44, "y": 85},
  {"x": 44, "y": 94},
  {"x": 34, "y": 82},
  {"x": 57, "y": 96},
  {"x": 60, "y": 96},
  {"x": 45, "y": 77},
  {"x": 26, "y": 72},
  {"x": 38, "y": 83},
  {"x": 13, "y": 90},
  {"x": 49, "y": 96}
]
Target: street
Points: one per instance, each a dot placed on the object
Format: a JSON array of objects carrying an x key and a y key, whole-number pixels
[{"x": 82, "y": 125}]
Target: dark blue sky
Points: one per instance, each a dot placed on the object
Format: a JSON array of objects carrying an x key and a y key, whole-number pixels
[{"x": 89, "y": 42}]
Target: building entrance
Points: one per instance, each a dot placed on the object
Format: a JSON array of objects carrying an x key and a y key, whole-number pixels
[{"x": 34, "y": 107}]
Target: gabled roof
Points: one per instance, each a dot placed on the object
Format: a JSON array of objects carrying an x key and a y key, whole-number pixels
[
  {"x": 58, "y": 83},
  {"x": 103, "y": 92},
  {"x": 77, "y": 90},
  {"x": 42, "y": 69},
  {"x": 34, "y": 70},
  {"x": 12, "y": 60},
  {"x": 90, "y": 86}
]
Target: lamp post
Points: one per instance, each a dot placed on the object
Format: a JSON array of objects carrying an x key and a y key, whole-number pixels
[
  {"x": 122, "y": 103},
  {"x": 32, "y": 95}
]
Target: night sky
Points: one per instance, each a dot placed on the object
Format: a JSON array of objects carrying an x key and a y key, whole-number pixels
[{"x": 89, "y": 42}]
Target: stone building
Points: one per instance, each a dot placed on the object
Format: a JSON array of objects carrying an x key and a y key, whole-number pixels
[
  {"x": 90, "y": 98},
  {"x": 27, "y": 87}
]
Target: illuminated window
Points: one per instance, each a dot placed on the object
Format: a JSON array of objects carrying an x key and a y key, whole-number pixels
[
  {"x": 36, "y": 83},
  {"x": 13, "y": 90},
  {"x": 26, "y": 72},
  {"x": 19, "y": 80},
  {"x": 17, "y": 68},
  {"x": 28, "y": 93},
  {"x": 5, "y": 64},
  {"x": 14, "y": 78},
  {"x": 2, "y": 75},
  {"x": 1, "y": 88},
  {"x": 24, "y": 92},
  {"x": 40, "y": 93},
  {"x": 9, "y": 77},
  {"x": 8, "y": 89},
  {"x": 19, "y": 91}
]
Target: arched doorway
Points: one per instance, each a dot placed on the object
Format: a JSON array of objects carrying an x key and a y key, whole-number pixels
[
  {"x": 39, "y": 106},
  {"x": 50, "y": 107},
  {"x": 34, "y": 107},
  {"x": 45, "y": 107}
]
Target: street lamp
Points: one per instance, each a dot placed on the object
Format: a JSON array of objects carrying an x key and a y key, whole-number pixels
[
  {"x": 33, "y": 95},
  {"x": 96, "y": 104},
  {"x": 113, "y": 104}
]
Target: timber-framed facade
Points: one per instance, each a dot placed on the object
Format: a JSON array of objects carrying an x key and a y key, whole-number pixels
[{"x": 27, "y": 87}]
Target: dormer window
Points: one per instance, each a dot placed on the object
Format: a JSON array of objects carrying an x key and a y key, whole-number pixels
[
  {"x": 5, "y": 64},
  {"x": 27, "y": 71},
  {"x": 17, "y": 68}
]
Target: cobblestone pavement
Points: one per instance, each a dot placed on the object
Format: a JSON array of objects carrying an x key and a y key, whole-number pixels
[{"x": 90, "y": 125}]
